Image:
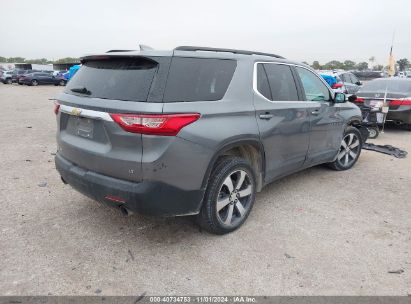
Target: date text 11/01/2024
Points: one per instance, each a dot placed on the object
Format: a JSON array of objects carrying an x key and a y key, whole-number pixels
[{"x": 203, "y": 299}]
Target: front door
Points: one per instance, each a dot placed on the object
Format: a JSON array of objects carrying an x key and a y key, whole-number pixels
[
  {"x": 282, "y": 118},
  {"x": 326, "y": 124}
]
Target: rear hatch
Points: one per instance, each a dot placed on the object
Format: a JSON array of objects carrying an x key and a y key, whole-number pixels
[{"x": 87, "y": 135}]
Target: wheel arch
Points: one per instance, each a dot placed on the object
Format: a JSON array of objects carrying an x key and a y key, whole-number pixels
[{"x": 250, "y": 149}]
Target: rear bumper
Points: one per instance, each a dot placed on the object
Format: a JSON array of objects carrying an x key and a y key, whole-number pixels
[
  {"x": 402, "y": 114},
  {"x": 147, "y": 197}
]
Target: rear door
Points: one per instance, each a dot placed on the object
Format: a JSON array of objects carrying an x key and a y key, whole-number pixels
[
  {"x": 87, "y": 134},
  {"x": 43, "y": 78},
  {"x": 282, "y": 118},
  {"x": 326, "y": 124}
]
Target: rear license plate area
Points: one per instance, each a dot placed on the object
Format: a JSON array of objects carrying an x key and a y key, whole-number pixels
[
  {"x": 372, "y": 103},
  {"x": 84, "y": 127}
]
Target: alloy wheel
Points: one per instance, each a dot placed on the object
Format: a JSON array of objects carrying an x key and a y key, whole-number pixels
[
  {"x": 234, "y": 198},
  {"x": 349, "y": 150}
]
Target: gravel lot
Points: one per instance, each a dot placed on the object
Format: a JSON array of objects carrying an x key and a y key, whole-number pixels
[{"x": 318, "y": 232}]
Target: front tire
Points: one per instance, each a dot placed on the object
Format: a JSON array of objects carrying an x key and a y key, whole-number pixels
[
  {"x": 34, "y": 82},
  {"x": 349, "y": 151},
  {"x": 229, "y": 196}
]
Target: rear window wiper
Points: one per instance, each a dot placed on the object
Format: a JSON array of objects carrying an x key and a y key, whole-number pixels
[{"x": 82, "y": 90}]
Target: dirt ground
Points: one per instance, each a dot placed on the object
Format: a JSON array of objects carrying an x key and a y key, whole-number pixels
[{"x": 318, "y": 232}]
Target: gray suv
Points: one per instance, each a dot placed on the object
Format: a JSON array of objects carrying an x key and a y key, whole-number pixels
[{"x": 197, "y": 131}]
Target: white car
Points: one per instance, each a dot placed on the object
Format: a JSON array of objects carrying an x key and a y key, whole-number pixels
[{"x": 6, "y": 77}]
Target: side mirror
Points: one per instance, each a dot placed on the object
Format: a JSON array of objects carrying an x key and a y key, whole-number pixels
[
  {"x": 358, "y": 83},
  {"x": 339, "y": 98},
  {"x": 352, "y": 98}
]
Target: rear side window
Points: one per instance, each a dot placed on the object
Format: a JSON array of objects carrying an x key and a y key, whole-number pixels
[
  {"x": 278, "y": 84},
  {"x": 198, "y": 79},
  {"x": 118, "y": 78},
  {"x": 281, "y": 82}
]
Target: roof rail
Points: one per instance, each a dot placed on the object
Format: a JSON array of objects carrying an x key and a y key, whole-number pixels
[{"x": 210, "y": 49}]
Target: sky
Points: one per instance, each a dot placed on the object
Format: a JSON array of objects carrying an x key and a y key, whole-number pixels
[{"x": 299, "y": 30}]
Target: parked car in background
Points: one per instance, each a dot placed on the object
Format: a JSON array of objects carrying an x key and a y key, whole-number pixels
[
  {"x": 6, "y": 77},
  {"x": 333, "y": 80},
  {"x": 185, "y": 132},
  {"x": 347, "y": 82},
  {"x": 394, "y": 91},
  {"x": 18, "y": 76},
  {"x": 59, "y": 73},
  {"x": 37, "y": 78},
  {"x": 368, "y": 75}
]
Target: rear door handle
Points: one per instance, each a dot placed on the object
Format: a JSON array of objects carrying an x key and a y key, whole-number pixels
[
  {"x": 266, "y": 116},
  {"x": 315, "y": 112}
]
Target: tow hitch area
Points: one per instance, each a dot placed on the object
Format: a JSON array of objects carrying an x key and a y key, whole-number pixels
[{"x": 386, "y": 149}]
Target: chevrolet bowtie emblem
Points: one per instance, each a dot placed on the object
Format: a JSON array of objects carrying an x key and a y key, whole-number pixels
[{"x": 76, "y": 111}]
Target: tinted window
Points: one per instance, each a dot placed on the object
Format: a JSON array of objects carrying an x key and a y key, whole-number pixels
[
  {"x": 262, "y": 82},
  {"x": 314, "y": 88},
  {"x": 117, "y": 78},
  {"x": 380, "y": 85},
  {"x": 281, "y": 81},
  {"x": 194, "y": 79}
]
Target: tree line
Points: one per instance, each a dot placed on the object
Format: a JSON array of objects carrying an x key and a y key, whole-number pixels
[
  {"x": 403, "y": 64},
  {"x": 38, "y": 61}
]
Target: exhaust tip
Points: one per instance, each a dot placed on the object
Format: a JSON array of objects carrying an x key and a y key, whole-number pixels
[{"x": 125, "y": 212}]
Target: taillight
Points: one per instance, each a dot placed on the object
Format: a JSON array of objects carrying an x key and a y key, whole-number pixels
[
  {"x": 56, "y": 107},
  {"x": 162, "y": 124},
  {"x": 359, "y": 99},
  {"x": 400, "y": 102},
  {"x": 337, "y": 85}
]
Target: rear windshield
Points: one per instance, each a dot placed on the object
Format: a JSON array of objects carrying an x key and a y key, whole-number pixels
[
  {"x": 117, "y": 78},
  {"x": 392, "y": 86},
  {"x": 197, "y": 79}
]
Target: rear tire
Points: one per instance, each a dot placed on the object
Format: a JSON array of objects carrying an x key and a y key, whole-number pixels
[
  {"x": 34, "y": 82},
  {"x": 349, "y": 151},
  {"x": 229, "y": 196},
  {"x": 9, "y": 81}
]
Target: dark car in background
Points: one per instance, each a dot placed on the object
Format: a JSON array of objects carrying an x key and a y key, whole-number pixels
[
  {"x": 16, "y": 77},
  {"x": 37, "y": 78},
  {"x": 367, "y": 75},
  {"x": 395, "y": 91},
  {"x": 16, "y": 74}
]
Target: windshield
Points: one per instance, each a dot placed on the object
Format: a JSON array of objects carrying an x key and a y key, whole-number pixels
[
  {"x": 116, "y": 78},
  {"x": 392, "y": 86}
]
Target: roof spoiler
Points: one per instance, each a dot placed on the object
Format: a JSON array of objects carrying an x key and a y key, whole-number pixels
[
  {"x": 234, "y": 51},
  {"x": 142, "y": 47}
]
